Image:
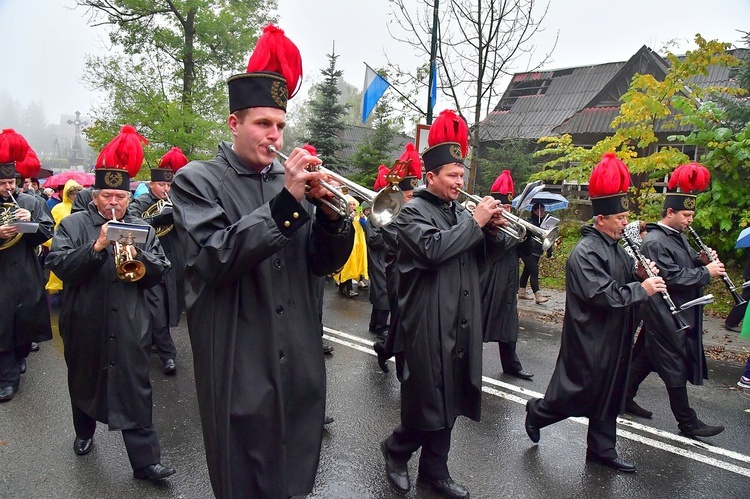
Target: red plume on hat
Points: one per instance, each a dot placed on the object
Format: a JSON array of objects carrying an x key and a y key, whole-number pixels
[
  {"x": 310, "y": 149},
  {"x": 30, "y": 166},
  {"x": 174, "y": 159},
  {"x": 610, "y": 177},
  {"x": 691, "y": 177},
  {"x": 449, "y": 127},
  {"x": 414, "y": 166},
  {"x": 124, "y": 152},
  {"x": 503, "y": 184},
  {"x": 380, "y": 180},
  {"x": 275, "y": 52},
  {"x": 13, "y": 146}
]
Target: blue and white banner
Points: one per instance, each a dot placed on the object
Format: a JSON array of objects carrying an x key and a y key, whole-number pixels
[{"x": 374, "y": 88}]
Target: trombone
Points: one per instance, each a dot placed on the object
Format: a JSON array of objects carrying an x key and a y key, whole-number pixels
[
  {"x": 521, "y": 228},
  {"x": 385, "y": 205}
]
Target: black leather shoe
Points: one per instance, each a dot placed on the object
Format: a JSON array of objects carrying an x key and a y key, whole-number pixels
[
  {"x": 154, "y": 472},
  {"x": 701, "y": 429},
  {"x": 7, "y": 392},
  {"x": 328, "y": 420},
  {"x": 398, "y": 476},
  {"x": 531, "y": 430},
  {"x": 169, "y": 367},
  {"x": 327, "y": 348},
  {"x": 617, "y": 463},
  {"x": 22, "y": 366},
  {"x": 382, "y": 356},
  {"x": 633, "y": 408},
  {"x": 82, "y": 446},
  {"x": 34, "y": 346},
  {"x": 446, "y": 488},
  {"x": 521, "y": 374}
]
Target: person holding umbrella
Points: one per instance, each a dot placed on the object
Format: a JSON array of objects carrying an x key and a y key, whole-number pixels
[{"x": 531, "y": 252}]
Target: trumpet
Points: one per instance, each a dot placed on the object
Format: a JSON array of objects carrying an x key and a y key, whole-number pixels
[
  {"x": 156, "y": 209},
  {"x": 127, "y": 268},
  {"x": 385, "y": 205},
  {"x": 8, "y": 216},
  {"x": 738, "y": 300},
  {"x": 520, "y": 228}
]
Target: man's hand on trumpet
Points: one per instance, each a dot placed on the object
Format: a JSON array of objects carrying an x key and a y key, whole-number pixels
[
  {"x": 300, "y": 181},
  {"x": 488, "y": 209},
  {"x": 102, "y": 241}
]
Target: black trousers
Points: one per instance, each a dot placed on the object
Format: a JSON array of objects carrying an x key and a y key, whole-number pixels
[
  {"x": 601, "y": 436},
  {"x": 435, "y": 444},
  {"x": 530, "y": 271},
  {"x": 508, "y": 358},
  {"x": 142, "y": 444},
  {"x": 162, "y": 340},
  {"x": 379, "y": 321},
  {"x": 10, "y": 365}
]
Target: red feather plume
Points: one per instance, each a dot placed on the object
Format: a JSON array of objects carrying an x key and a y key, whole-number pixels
[
  {"x": 380, "y": 181},
  {"x": 610, "y": 176},
  {"x": 30, "y": 166},
  {"x": 275, "y": 52},
  {"x": 174, "y": 159},
  {"x": 310, "y": 149},
  {"x": 503, "y": 184},
  {"x": 691, "y": 177},
  {"x": 124, "y": 152},
  {"x": 414, "y": 166},
  {"x": 13, "y": 146},
  {"x": 449, "y": 127}
]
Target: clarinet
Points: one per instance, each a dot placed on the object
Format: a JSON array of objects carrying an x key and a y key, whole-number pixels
[
  {"x": 738, "y": 300},
  {"x": 679, "y": 323}
]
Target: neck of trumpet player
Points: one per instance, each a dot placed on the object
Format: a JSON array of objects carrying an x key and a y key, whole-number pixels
[{"x": 111, "y": 203}]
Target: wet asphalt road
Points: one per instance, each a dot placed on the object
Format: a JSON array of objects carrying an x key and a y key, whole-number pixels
[{"x": 493, "y": 458}]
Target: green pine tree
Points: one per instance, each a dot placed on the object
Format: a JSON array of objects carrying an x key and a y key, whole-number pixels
[{"x": 327, "y": 114}]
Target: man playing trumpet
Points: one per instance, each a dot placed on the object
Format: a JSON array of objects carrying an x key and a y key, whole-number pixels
[
  {"x": 104, "y": 321},
  {"x": 255, "y": 250}
]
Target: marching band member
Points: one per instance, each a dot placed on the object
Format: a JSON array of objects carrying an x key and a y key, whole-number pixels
[
  {"x": 104, "y": 318},
  {"x": 25, "y": 315},
  {"x": 166, "y": 299},
  {"x": 255, "y": 251},
  {"x": 677, "y": 356},
  {"x": 499, "y": 283},
  {"x": 601, "y": 291},
  {"x": 439, "y": 323}
]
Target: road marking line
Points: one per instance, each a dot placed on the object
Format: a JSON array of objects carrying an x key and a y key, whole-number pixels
[{"x": 365, "y": 346}]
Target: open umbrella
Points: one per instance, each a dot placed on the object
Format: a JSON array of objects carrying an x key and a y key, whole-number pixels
[
  {"x": 551, "y": 201},
  {"x": 743, "y": 241},
  {"x": 59, "y": 179}
]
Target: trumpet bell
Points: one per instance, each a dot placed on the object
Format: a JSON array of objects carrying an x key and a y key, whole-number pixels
[
  {"x": 130, "y": 271},
  {"x": 386, "y": 205}
]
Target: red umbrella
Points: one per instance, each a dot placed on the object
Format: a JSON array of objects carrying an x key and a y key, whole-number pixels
[{"x": 59, "y": 179}]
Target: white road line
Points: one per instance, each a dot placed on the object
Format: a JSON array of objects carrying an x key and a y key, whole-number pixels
[{"x": 365, "y": 346}]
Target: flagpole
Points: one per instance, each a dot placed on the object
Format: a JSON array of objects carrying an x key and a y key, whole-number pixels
[
  {"x": 433, "y": 56},
  {"x": 391, "y": 85}
]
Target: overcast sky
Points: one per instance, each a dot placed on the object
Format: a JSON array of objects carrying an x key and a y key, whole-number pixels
[{"x": 43, "y": 42}]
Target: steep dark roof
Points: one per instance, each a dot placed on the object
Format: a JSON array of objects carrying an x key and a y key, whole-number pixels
[
  {"x": 577, "y": 100},
  {"x": 535, "y": 103}
]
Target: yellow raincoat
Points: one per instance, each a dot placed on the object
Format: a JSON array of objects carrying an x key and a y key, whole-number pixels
[
  {"x": 356, "y": 266},
  {"x": 60, "y": 211}
]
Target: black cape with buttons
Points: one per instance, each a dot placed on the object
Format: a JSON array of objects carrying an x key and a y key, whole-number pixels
[
  {"x": 440, "y": 321},
  {"x": 677, "y": 357},
  {"x": 104, "y": 322},
  {"x": 167, "y": 307},
  {"x": 597, "y": 337},
  {"x": 253, "y": 271},
  {"x": 23, "y": 301}
]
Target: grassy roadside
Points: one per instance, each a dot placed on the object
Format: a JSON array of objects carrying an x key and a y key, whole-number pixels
[{"x": 552, "y": 272}]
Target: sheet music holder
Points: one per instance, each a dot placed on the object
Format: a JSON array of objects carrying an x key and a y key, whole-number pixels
[
  {"x": 549, "y": 222},
  {"x": 125, "y": 233},
  {"x": 26, "y": 227}
]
